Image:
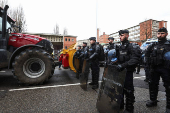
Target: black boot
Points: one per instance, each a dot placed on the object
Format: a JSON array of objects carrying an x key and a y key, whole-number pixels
[
  {"x": 91, "y": 83},
  {"x": 130, "y": 99},
  {"x": 96, "y": 86},
  {"x": 147, "y": 76},
  {"x": 137, "y": 72},
  {"x": 153, "y": 91},
  {"x": 151, "y": 103},
  {"x": 146, "y": 80}
]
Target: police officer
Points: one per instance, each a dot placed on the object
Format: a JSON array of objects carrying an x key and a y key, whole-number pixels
[
  {"x": 76, "y": 55},
  {"x": 146, "y": 67},
  {"x": 138, "y": 65},
  {"x": 159, "y": 67},
  {"x": 84, "y": 51},
  {"x": 109, "y": 47},
  {"x": 128, "y": 57},
  {"x": 83, "y": 55},
  {"x": 78, "y": 52},
  {"x": 111, "y": 44},
  {"x": 94, "y": 51}
]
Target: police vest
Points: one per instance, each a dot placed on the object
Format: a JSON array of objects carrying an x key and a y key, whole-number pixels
[
  {"x": 124, "y": 53},
  {"x": 158, "y": 52}
]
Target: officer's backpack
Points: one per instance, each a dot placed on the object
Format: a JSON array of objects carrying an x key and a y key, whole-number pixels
[{"x": 101, "y": 55}]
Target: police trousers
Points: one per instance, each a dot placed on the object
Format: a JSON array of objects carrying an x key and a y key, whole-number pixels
[{"x": 95, "y": 71}]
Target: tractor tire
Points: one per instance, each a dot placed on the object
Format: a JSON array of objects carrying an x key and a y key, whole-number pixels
[{"x": 33, "y": 66}]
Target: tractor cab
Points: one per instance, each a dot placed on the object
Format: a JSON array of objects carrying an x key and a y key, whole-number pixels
[{"x": 4, "y": 54}]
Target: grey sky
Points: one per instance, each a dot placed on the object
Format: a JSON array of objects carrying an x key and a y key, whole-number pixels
[{"x": 79, "y": 16}]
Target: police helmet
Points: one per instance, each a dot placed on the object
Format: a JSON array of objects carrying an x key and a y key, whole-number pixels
[{"x": 167, "y": 55}]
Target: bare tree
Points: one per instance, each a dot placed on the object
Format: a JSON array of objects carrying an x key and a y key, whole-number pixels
[
  {"x": 56, "y": 29},
  {"x": 3, "y": 3},
  {"x": 65, "y": 31},
  {"x": 146, "y": 30},
  {"x": 18, "y": 15}
]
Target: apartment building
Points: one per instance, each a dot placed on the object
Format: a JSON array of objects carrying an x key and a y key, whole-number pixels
[{"x": 139, "y": 33}]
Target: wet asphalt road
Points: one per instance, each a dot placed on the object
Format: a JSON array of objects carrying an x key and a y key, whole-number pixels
[{"x": 52, "y": 97}]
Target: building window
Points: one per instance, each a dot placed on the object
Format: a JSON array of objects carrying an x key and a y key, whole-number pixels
[
  {"x": 69, "y": 39},
  {"x": 65, "y": 39},
  {"x": 164, "y": 24},
  {"x": 72, "y": 40},
  {"x": 65, "y": 47}
]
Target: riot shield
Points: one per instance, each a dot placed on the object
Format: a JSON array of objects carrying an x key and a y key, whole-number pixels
[
  {"x": 77, "y": 65},
  {"x": 111, "y": 90},
  {"x": 84, "y": 75}
]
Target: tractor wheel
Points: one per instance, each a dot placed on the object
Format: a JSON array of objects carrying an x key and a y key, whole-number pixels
[{"x": 33, "y": 66}]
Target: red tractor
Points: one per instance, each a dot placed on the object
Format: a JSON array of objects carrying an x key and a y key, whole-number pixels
[{"x": 29, "y": 56}]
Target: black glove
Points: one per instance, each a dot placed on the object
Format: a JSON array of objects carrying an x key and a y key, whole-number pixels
[{"x": 119, "y": 68}]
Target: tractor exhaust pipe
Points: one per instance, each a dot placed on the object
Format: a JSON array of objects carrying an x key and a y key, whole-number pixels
[
  {"x": 3, "y": 39},
  {"x": 4, "y": 21}
]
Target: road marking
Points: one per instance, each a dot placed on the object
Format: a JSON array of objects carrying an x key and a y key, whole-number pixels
[
  {"x": 2, "y": 71},
  {"x": 55, "y": 86},
  {"x": 43, "y": 87},
  {"x": 139, "y": 77},
  {"x": 2, "y": 90}
]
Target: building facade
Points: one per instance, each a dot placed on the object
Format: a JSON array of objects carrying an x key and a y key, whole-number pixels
[
  {"x": 80, "y": 42},
  {"x": 68, "y": 41},
  {"x": 138, "y": 33},
  {"x": 59, "y": 41}
]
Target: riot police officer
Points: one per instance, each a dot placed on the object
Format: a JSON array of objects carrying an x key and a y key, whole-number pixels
[
  {"x": 94, "y": 51},
  {"x": 128, "y": 57},
  {"x": 159, "y": 60},
  {"x": 84, "y": 50},
  {"x": 111, "y": 44},
  {"x": 76, "y": 55},
  {"x": 78, "y": 52},
  {"x": 108, "y": 48},
  {"x": 83, "y": 55}
]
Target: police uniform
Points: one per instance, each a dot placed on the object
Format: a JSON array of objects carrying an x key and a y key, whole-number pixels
[
  {"x": 128, "y": 57},
  {"x": 77, "y": 55},
  {"x": 84, "y": 51},
  {"x": 84, "y": 55},
  {"x": 111, "y": 45},
  {"x": 159, "y": 66},
  {"x": 78, "y": 52},
  {"x": 94, "y": 51}
]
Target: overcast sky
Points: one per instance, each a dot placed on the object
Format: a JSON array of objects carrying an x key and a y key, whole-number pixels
[{"x": 79, "y": 16}]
